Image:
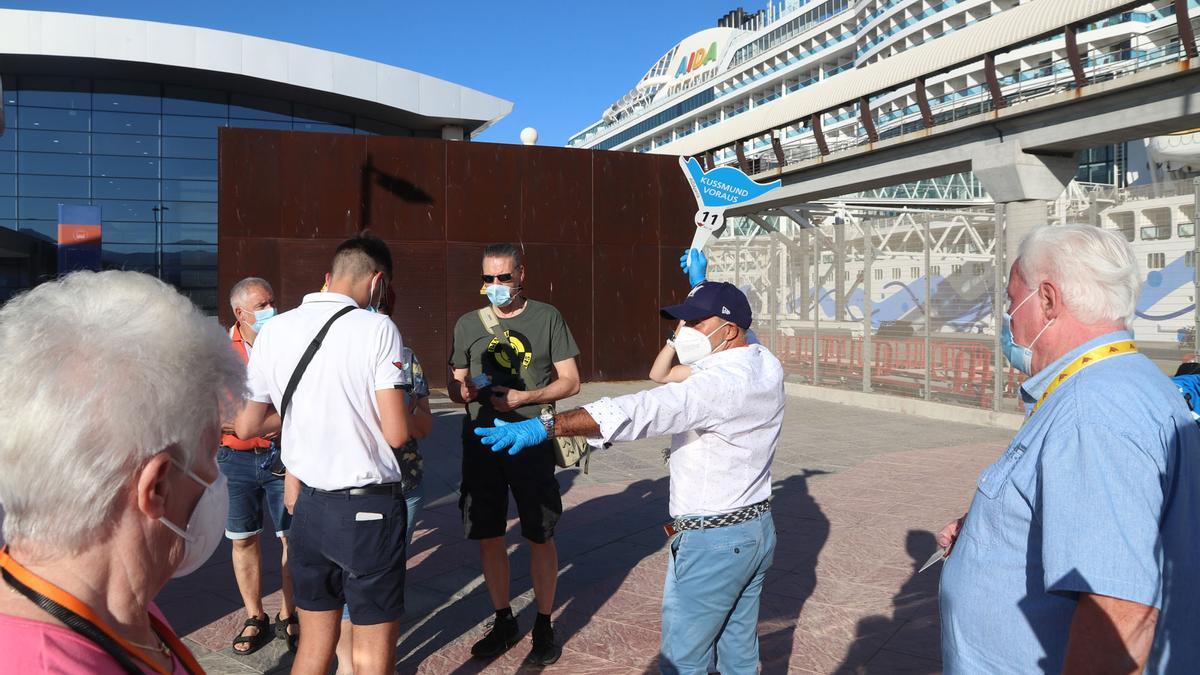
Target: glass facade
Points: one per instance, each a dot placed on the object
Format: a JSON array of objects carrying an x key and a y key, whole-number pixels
[{"x": 146, "y": 154}]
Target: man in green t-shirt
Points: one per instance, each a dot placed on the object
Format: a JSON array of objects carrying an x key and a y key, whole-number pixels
[{"x": 511, "y": 372}]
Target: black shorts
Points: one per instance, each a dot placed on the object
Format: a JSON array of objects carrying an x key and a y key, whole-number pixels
[
  {"x": 341, "y": 552},
  {"x": 489, "y": 476}
]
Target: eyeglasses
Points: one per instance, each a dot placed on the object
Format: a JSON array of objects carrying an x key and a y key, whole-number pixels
[{"x": 489, "y": 278}]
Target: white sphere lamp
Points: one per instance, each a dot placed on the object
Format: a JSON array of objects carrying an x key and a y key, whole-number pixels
[{"x": 529, "y": 136}]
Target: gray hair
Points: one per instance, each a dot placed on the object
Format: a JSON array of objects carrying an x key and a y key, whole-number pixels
[
  {"x": 237, "y": 294},
  {"x": 1095, "y": 268},
  {"x": 101, "y": 371},
  {"x": 504, "y": 250}
]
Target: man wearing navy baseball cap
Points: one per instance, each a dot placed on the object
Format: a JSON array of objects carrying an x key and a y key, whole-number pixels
[{"x": 724, "y": 421}]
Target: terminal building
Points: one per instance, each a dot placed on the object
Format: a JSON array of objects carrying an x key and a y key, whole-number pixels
[{"x": 124, "y": 115}]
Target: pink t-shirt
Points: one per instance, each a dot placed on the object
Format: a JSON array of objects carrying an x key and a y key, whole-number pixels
[{"x": 34, "y": 647}]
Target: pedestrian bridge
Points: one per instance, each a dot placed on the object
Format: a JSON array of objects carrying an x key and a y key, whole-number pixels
[{"x": 876, "y": 126}]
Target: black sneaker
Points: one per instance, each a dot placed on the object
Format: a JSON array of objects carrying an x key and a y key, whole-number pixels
[
  {"x": 545, "y": 651},
  {"x": 502, "y": 636}
]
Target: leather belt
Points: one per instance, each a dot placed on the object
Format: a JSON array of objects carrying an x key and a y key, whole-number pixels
[
  {"x": 725, "y": 519},
  {"x": 395, "y": 489}
]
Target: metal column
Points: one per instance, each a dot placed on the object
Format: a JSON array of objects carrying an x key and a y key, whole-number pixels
[
  {"x": 928, "y": 319},
  {"x": 868, "y": 259},
  {"x": 816, "y": 271},
  {"x": 1196, "y": 268},
  {"x": 998, "y": 307}
]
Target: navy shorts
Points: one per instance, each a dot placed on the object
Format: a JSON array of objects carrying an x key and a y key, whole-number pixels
[
  {"x": 250, "y": 483},
  {"x": 489, "y": 476},
  {"x": 349, "y": 550}
]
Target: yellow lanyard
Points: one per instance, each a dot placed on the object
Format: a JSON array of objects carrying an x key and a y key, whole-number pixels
[{"x": 1088, "y": 358}]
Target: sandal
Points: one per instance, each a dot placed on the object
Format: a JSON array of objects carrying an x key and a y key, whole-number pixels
[
  {"x": 256, "y": 641},
  {"x": 281, "y": 630}
]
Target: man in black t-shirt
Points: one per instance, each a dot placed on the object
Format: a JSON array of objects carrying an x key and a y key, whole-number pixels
[{"x": 511, "y": 372}]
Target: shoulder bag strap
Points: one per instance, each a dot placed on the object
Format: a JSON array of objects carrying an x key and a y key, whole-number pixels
[
  {"x": 304, "y": 360},
  {"x": 491, "y": 323}
]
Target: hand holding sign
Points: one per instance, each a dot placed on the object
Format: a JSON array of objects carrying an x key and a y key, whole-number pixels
[
  {"x": 716, "y": 190},
  {"x": 695, "y": 265}
]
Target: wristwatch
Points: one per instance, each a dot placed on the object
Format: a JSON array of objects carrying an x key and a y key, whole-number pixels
[
  {"x": 671, "y": 340},
  {"x": 547, "y": 419}
]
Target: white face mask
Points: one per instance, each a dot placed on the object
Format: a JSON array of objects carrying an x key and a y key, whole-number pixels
[
  {"x": 691, "y": 345},
  {"x": 206, "y": 525}
]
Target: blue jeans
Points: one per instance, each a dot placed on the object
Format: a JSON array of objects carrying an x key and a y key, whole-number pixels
[
  {"x": 413, "y": 501},
  {"x": 250, "y": 480},
  {"x": 711, "y": 596}
]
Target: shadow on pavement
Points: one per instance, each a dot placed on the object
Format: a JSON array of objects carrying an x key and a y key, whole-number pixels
[
  {"x": 915, "y": 601},
  {"x": 801, "y": 530}
]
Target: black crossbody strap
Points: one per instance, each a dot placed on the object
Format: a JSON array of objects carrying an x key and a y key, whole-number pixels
[
  {"x": 76, "y": 623},
  {"x": 304, "y": 361}
]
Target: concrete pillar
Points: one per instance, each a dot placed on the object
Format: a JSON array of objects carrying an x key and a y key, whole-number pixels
[
  {"x": 1023, "y": 182},
  {"x": 452, "y": 132}
]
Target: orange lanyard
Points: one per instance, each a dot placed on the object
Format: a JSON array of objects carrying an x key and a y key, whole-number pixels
[
  {"x": 65, "y": 601},
  {"x": 1088, "y": 358}
]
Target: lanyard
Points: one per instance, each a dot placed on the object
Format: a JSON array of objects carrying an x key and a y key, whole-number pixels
[
  {"x": 80, "y": 618},
  {"x": 1088, "y": 358}
]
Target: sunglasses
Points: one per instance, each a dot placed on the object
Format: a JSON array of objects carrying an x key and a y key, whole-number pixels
[{"x": 489, "y": 278}]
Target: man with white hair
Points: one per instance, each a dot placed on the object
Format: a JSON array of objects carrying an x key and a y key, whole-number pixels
[
  {"x": 112, "y": 390},
  {"x": 247, "y": 464},
  {"x": 1079, "y": 551}
]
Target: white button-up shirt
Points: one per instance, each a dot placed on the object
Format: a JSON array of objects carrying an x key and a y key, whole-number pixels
[
  {"x": 725, "y": 421},
  {"x": 332, "y": 438}
]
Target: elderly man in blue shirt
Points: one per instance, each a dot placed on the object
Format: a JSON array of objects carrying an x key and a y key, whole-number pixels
[
  {"x": 724, "y": 421},
  {"x": 1080, "y": 552}
]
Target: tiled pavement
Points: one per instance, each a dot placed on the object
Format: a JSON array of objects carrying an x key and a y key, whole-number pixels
[{"x": 857, "y": 494}]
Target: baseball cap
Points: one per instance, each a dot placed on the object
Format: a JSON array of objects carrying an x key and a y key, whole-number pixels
[{"x": 712, "y": 298}]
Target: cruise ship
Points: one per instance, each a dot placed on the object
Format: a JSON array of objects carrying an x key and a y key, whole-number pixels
[{"x": 1142, "y": 188}]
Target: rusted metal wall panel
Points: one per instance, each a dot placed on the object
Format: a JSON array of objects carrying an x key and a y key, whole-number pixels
[{"x": 602, "y": 231}]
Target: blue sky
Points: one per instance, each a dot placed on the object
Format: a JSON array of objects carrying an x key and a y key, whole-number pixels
[{"x": 560, "y": 61}]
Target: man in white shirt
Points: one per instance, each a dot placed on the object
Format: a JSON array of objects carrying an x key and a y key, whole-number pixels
[
  {"x": 724, "y": 422},
  {"x": 346, "y": 415}
]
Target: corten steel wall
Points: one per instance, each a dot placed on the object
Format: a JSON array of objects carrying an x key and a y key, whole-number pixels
[{"x": 602, "y": 231}]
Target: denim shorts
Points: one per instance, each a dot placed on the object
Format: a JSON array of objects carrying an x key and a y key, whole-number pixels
[{"x": 250, "y": 483}]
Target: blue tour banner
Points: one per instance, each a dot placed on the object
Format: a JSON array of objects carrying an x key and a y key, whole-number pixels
[{"x": 716, "y": 190}]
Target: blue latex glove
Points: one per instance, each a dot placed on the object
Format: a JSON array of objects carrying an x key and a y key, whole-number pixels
[
  {"x": 694, "y": 265},
  {"x": 513, "y": 436}
]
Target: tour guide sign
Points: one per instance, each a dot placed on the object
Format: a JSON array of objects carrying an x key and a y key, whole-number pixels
[{"x": 715, "y": 191}]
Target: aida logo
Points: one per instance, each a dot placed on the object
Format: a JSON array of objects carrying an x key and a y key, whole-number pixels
[{"x": 697, "y": 59}]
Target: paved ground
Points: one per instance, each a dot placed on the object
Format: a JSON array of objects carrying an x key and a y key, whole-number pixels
[{"x": 857, "y": 494}]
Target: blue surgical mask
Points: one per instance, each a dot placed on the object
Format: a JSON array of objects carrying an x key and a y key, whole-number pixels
[
  {"x": 499, "y": 294},
  {"x": 260, "y": 317},
  {"x": 1019, "y": 356}
]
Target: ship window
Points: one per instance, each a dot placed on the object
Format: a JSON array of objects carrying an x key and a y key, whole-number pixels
[
  {"x": 1156, "y": 261},
  {"x": 935, "y": 270},
  {"x": 1189, "y": 259},
  {"x": 916, "y": 272},
  {"x": 1187, "y": 230},
  {"x": 878, "y": 275},
  {"x": 1160, "y": 224},
  {"x": 1124, "y": 224},
  {"x": 955, "y": 269},
  {"x": 895, "y": 272}
]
